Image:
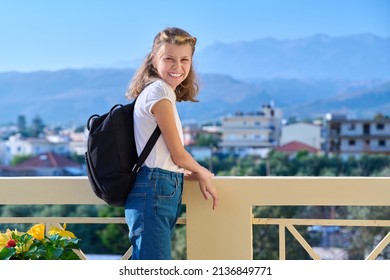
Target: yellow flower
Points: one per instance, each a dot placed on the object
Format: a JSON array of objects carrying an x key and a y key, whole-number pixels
[
  {"x": 15, "y": 231},
  {"x": 61, "y": 232},
  {"x": 4, "y": 238},
  {"x": 37, "y": 231}
]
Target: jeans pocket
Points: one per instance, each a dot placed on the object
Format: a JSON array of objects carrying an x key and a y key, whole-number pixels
[
  {"x": 166, "y": 187},
  {"x": 135, "y": 213}
]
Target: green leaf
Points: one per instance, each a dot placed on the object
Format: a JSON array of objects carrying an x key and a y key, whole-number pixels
[
  {"x": 69, "y": 255},
  {"x": 54, "y": 253},
  {"x": 7, "y": 253},
  {"x": 36, "y": 252}
]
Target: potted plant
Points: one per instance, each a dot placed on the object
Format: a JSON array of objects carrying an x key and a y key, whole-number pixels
[{"x": 35, "y": 244}]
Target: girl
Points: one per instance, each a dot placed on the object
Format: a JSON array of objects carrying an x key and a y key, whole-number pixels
[{"x": 153, "y": 206}]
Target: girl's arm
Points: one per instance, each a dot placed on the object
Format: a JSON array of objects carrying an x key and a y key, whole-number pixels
[{"x": 164, "y": 115}]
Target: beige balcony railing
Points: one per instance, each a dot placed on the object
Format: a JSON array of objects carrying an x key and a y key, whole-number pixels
[{"x": 225, "y": 233}]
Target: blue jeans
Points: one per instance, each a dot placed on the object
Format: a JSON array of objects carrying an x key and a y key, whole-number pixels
[{"x": 151, "y": 211}]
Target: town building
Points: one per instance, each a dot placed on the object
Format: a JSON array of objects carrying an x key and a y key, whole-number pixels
[
  {"x": 190, "y": 133},
  {"x": 307, "y": 133},
  {"x": 357, "y": 136},
  {"x": 45, "y": 164},
  {"x": 63, "y": 144},
  {"x": 252, "y": 133},
  {"x": 294, "y": 147},
  {"x": 20, "y": 146}
]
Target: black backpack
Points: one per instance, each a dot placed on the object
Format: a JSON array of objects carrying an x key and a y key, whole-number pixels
[{"x": 111, "y": 157}]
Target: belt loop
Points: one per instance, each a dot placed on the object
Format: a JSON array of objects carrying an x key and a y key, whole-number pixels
[
  {"x": 148, "y": 172},
  {"x": 177, "y": 179},
  {"x": 151, "y": 174}
]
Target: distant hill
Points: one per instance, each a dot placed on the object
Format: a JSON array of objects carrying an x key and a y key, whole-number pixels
[
  {"x": 71, "y": 96},
  {"x": 363, "y": 103},
  {"x": 305, "y": 77},
  {"x": 61, "y": 96},
  {"x": 361, "y": 56}
]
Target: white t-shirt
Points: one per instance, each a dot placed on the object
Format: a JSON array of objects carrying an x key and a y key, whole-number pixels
[{"x": 145, "y": 123}]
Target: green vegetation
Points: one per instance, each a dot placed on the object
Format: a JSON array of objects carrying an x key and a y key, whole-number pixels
[
  {"x": 19, "y": 159},
  {"x": 34, "y": 130},
  {"x": 302, "y": 164}
]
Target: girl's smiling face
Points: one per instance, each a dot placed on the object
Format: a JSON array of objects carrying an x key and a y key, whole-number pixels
[{"x": 173, "y": 63}]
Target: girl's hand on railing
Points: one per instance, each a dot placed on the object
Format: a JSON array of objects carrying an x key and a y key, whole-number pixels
[{"x": 206, "y": 187}]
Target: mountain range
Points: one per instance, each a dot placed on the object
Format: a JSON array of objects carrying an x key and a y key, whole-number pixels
[
  {"x": 306, "y": 78},
  {"x": 320, "y": 56}
]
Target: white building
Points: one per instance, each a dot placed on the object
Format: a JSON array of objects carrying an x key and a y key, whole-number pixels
[
  {"x": 18, "y": 146},
  {"x": 190, "y": 133},
  {"x": 358, "y": 136},
  {"x": 2, "y": 152},
  {"x": 78, "y": 142},
  {"x": 307, "y": 133},
  {"x": 253, "y": 131}
]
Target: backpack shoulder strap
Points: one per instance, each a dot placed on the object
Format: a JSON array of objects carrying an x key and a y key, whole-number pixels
[{"x": 148, "y": 148}]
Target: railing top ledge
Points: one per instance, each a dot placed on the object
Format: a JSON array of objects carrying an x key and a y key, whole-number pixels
[{"x": 361, "y": 191}]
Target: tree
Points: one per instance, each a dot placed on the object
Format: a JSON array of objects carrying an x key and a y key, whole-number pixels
[
  {"x": 266, "y": 237},
  {"x": 365, "y": 239},
  {"x": 207, "y": 140},
  {"x": 80, "y": 128},
  {"x": 37, "y": 127},
  {"x": 19, "y": 159},
  {"x": 22, "y": 125},
  {"x": 280, "y": 164},
  {"x": 370, "y": 164},
  {"x": 114, "y": 237},
  {"x": 78, "y": 158}
]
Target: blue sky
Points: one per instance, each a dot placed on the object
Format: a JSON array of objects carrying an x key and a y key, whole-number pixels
[{"x": 57, "y": 34}]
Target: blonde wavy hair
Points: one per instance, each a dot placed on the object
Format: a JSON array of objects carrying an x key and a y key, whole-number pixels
[{"x": 146, "y": 74}]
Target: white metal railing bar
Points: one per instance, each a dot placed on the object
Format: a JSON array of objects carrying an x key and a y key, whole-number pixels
[
  {"x": 379, "y": 248},
  {"x": 289, "y": 224},
  {"x": 303, "y": 242}
]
